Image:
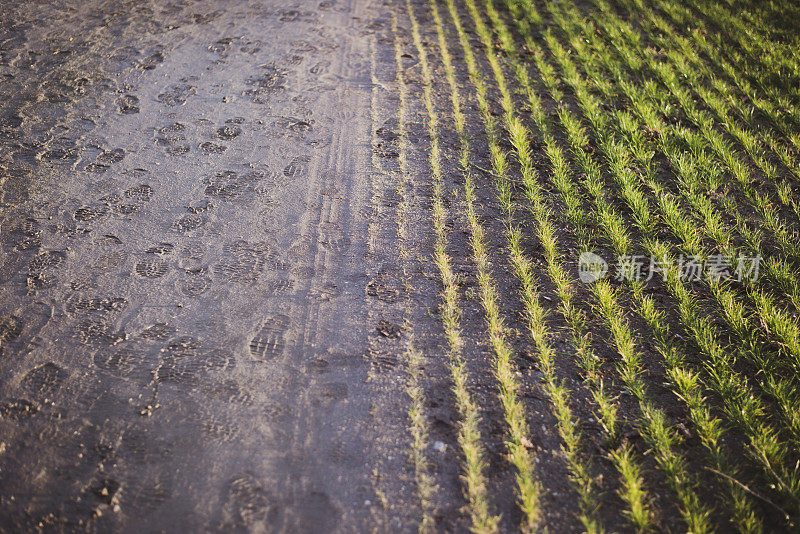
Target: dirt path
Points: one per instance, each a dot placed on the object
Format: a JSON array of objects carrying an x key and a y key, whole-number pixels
[{"x": 186, "y": 202}]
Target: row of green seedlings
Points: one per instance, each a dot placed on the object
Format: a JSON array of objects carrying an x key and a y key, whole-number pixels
[
  {"x": 517, "y": 441},
  {"x": 787, "y": 241},
  {"x": 779, "y": 322},
  {"x": 710, "y": 44},
  {"x": 580, "y": 469},
  {"x": 685, "y": 381},
  {"x": 662, "y": 437},
  {"x": 762, "y": 55},
  {"x": 418, "y": 420},
  {"x": 763, "y": 148},
  {"x": 652, "y": 424},
  {"x": 469, "y": 436},
  {"x": 741, "y": 406}
]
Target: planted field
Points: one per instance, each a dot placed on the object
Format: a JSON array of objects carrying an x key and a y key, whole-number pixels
[
  {"x": 410, "y": 265},
  {"x": 625, "y": 177}
]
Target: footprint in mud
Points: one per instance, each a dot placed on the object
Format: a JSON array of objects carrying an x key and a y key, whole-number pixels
[
  {"x": 269, "y": 342},
  {"x": 10, "y": 329},
  {"x": 221, "y": 46},
  {"x": 331, "y": 392},
  {"x": 189, "y": 222},
  {"x": 200, "y": 207},
  {"x": 99, "y": 304},
  {"x": 288, "y": 15},
  {"x": 176, "y": 94},
  {"x": 91, "y": 212},
  {"x": 107, "y": 157},
  {"x": 333, "y": 239},
  {"x": 385, "y": 287},
  {"x": 388, "y": 329},
  {"x": 247, "y": 505},
  {"x": 128, "y": 104},
  {"x": 297, "y": 167},
  {"x": 97, "y": 332},
  {"x": 193, "y": 285},
  {"x": 26, "y": 235},
  {"x": 321, "y": 67},
  {"x": 130, "y": 201},
  {"x": 158, "y": 332},
  {"x": 243, "y": 262},
  {"x": 125, "y": 362},
  {"x": 43, "y": 381},
  {"x": 270, "y": 82},
  {"x": 173, "y": 138},
  {"x": 228, "y": 132},
  {"x": 152, "y": 267},
  {"x": 326, "y": 292},
  {"x": 162, "y": 249},
  {"x": 185, "y": 360},
  {"x": 150, "y": 62},
  {"x": 18, "y": 409},
  {"x": 212, "y": 148},
  {"x": 280, "y": 287},
  {"x": 109, "y": 262},
  {"x": 227, "y": 185},
  {"x": 45, "y": 260}
]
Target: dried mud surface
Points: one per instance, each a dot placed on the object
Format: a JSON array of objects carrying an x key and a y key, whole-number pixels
[{"x": 188, "y": 292}]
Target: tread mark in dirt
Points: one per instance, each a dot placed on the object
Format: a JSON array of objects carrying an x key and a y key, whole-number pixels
[
  {"x": 297, "y": 166},
  {"x": 110, "y": 156},
  {"x": 124, "y": 362},
  {"x": 269, "y": 342},
  {"x": 248, "y": 505},
  {"x": 151, "y": 61},
  {"x": 91, "y": 212},
  {"x": 228, "y": 132},
  {"x": 97, "y": 332},
  {"x": 103, "y": 304},
  {"x": 158, "y": 332},
  {"x": 162, "y": 249},
  {"x": 201, "y": 207},
  {"x": 50, "y": 258},
  {"x": 151, "y": 268},
  {"x": 269, "y": 83},
  {"x": 189, "y": 222},
  {"x": 243, "y": 262},
  {"x": 141, "y": 193},
  {"x": 44, "y": 380},
  {"x": 227, "y": 185},
  {"x": 212, "y": 148},
  {"x": 176, "y": 94},
  {"x": 128, "y": 104},
  {"x": 320, "y": 67},
  {"x": 389, "y": 330},
  {"x": 194, "y": 285},
  {"x": 10, "y": 328}
]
